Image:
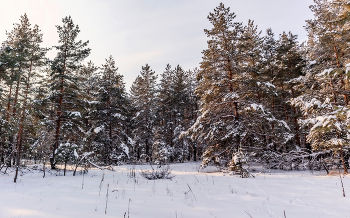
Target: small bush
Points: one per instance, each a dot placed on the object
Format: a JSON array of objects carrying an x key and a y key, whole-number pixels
[
  {"x": 239, "y": 164},
  {"x": 162, "y": 173}
]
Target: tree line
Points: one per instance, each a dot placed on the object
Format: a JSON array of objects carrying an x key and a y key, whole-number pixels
[{"x": 255, "y": 97}]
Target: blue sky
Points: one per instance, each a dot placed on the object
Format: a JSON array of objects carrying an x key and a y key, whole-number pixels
[{"x": 157, "y": 32}]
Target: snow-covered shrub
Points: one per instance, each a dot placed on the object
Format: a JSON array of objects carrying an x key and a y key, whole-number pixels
[
  {"x": 301, "y": 159},
  {"x": 162, "y": 173},
  {"x": 239, "y": 164},
  {"x": 181, "y": 145},
  {"x": 160, "y": 152},
  {"x": 293, "y": 160},
  {"x": 67, "y": 153}
]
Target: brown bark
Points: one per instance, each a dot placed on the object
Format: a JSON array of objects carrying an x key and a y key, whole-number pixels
[
  {"x": 20, "y": 131},
  {"x": 297, "y": 138},
  {"x": 343, "y": 161},
  {"x": 19, "y": 148},
  {"x": 296, "y": 125},
  {"x": 16, "y": 98},
  {"x": 146, "y": 141},
  {"x": 336, "y": 56},
  {"x": 17, "y": 159},
  {"x": 9, "y": 104},
  {"x": 345, "y": 99},
  {"x": 285, "y": 111},
  {"x": 230, "y": 76},
  {"x": 235, "y": 106}
]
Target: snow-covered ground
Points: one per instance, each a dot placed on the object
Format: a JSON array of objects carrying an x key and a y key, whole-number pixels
[{"x": 189, "y": 194}]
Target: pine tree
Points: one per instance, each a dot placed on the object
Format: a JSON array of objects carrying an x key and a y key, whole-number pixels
[
  {"x": 7, "y": 63},
  {"x": 219, "y": 121},
  {"x": 15, "y": 60},
  {"x": 325, "y": 87},
  {"x": 64, "y": 82},
  {"x": 232, "y": 91},
  {"x": 290, "y": 66},
  {"x": 179, "y": 105},
  {"x": 111, "y": 116},
  {"x": 191, "y": 115},
  {"x": 143, "y": 97},
  {"x": 21, "y": 57},
  {"x": 88, "y": 79},
  {"x": 268, "y": 74},
  {"x": 173, "y": 101},
  {"x": 35, "y": 58}
]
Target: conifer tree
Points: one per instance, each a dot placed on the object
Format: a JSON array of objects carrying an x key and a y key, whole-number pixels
[
  {"x": 88, "y": 79},
  {"x": 232, "y": 91},
  {"x": 64, "y": 82},
  {"x": 173, "y": 102},
  {"x": 290, "y": 66},
  {"x": 21, "y": 56},
  {"x": 111, "y": 116},
  {"x": 15, "y": 54},
  {"x": 219, "y": 121},
  {"x": 35, "y": 58},
  {"x": 143, "y": 97},
  {"x": 216, "y": 79},
  {"x": 6, "y": 64},
  {"x": 180, "y": 105},
  {"x": 325, "y": 87},
  {"x": 191, "y": 114}
]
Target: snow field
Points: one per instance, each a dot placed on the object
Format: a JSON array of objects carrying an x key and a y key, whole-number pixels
[{"x": 189, "y": 194}]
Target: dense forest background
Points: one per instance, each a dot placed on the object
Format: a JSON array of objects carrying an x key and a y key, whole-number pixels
[{"x": 254, "y": 98}]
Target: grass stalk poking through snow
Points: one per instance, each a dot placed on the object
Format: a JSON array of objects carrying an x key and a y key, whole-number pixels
[
  {"x": 106, "y": 199},
  {"x": 103, "y": 176},
  {"x": 82, "y": 184},
  {"x": 342, "y": 185}
]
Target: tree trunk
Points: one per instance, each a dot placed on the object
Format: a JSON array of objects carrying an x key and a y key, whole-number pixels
[
  {"x": 147, "y": 149},
  {"x": 58, "y": 122},
  {"x": 9, "y": 101},
  {"x": 19, "y": 148},
  {"x": 16, "y": 98},
  {"x": 195, "y": 153},
  {"x": 20, "y": 130},
  {"x": 343, "y": 161},
  {"x": 336, "y": 56},
  {"x": 44, "y": 168}
]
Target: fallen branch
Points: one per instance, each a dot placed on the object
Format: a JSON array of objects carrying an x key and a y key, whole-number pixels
[
  {"x": 81, "y": 159},
  {"x": 101, "y": 168}
]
